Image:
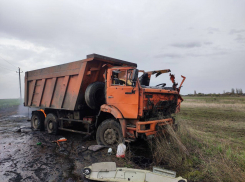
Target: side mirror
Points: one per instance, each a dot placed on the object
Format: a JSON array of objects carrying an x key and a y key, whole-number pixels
[{"x": 135, "y": 75}]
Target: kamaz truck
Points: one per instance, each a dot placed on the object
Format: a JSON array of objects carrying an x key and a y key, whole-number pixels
[{"x": 101, "y": 96}]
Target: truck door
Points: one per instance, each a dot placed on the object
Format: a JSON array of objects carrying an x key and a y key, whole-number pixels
[{"x": 120, "y": 92}]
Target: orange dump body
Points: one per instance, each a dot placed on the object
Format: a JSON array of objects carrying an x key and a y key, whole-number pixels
[{"x": 63, "y": 86}]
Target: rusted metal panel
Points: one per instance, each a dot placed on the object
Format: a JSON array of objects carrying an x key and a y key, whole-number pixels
[
  {"x": 54, "y": 81},
  {"x": 56, "y": 71},
  {"x": 65, "y": 84},
  {"x": 38, "y": 92},
  {"x": 116, "y": 62},
  {"x": 47, "y": 92},
  {"x": 42, "y": 90},
  {"x": 70, "y": 97},
  {"x": 58, "y": 93},
  {"x": 32, "y": 85}
]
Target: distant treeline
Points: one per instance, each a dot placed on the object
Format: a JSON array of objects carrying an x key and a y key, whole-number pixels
[{"x": 234, "y": 92}]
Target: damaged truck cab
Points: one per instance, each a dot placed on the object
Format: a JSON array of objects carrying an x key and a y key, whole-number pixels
[
  {"x": 103, "y": 96},
  {"x": 141, "y": 109}
]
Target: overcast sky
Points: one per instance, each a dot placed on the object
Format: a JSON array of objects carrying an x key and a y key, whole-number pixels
[{"x": 202, "y": 40}]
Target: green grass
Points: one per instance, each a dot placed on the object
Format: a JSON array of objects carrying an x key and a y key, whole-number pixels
[
  {"x": 4, "y": 103},
  {"x": 213, "y": 130},
  {"x": 216, "y": 99}
]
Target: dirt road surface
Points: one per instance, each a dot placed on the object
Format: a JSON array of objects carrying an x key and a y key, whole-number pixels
[{"x": 21, "y": 159}]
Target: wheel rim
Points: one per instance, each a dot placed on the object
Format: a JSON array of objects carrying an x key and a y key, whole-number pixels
[
  {"x": 50, "y": 125},
  {"x": 110, "y": 136},
  {"x": 35, "y": 122}
]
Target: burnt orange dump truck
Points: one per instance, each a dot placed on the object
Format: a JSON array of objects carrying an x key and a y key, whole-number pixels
[{"x": 102, "y": 96}]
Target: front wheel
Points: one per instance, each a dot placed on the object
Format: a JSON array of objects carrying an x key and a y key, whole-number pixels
[
  {"x": 51, "y": 123},
  {"x": 109, "y": 133}
]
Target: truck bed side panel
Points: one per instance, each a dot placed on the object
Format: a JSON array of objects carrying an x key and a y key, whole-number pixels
[
  {"x": 55, "y": 87},
  {"x": 63, "y": 86}
]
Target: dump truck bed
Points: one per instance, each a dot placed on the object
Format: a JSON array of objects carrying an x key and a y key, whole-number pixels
[{"x": 63, "y": 86}]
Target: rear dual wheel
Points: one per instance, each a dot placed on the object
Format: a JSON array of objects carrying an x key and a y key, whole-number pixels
[
  {"x": 51, "y": 123},
  {"x": 37, "y": 121}
]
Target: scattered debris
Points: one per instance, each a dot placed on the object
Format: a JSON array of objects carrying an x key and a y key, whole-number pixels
[
  {"x": 16, "y": 129},
  {"x": 60, "y": 140},
  {"x": 96, "y": 147},
  {"x": 107, "y": 171},
  {"x": 26, "y": 130},
  {"x": 121, "y": 148},
  {"x": 22, "y": 129},
  {"x": 39, "y": 143},
  {"x": 110, "y": 151}
]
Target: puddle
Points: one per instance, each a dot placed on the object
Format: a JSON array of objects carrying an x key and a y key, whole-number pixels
[
  {"x": 18, "y": 116},
  {"x": 3, "y": 119}
]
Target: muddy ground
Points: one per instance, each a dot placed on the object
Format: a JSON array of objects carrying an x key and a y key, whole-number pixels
[{"x": 21, "y": 159}]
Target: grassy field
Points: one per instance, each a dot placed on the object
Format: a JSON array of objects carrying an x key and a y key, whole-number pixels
[
  {"x": 212, "y": 129},
  {"x": 4, "y": 103}
]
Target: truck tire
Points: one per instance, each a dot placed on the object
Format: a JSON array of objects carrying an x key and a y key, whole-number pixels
[
  {"x": 51, "y": 123},
  {"x": 109, "y": 133},
  {"x": 95, "y": 95},
  {"x": 37, "y": 121}
]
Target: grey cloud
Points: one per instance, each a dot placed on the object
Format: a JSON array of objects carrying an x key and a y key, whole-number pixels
[
  {"x": 212, "y": 30},
  {"x": 187, "y": 45},
  {"x": 207, "y": 54},
  {"x": 240, "y": 38},
  {"x": 234, "y": 31},
  {"x": 175, "y": 55},
  {"x": 168, "y": 55},
  {"x": 208, "y": 43}
]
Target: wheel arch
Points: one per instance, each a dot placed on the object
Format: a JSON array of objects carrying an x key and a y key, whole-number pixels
[
  {"x": 111, "y": 109},
  {"x": 106, "y": 112},
  {"x": 40, "y": 113}
]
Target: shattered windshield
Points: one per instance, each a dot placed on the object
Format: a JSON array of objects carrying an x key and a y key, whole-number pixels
[{"x": 157, "y": 79}]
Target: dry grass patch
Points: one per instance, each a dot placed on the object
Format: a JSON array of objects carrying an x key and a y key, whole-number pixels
[
  {"x": 237, "y": 107},
  {"x": 209, "y": 144}
]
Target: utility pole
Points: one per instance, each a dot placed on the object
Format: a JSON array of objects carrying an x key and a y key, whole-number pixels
[{"x": 20, "y": 84}]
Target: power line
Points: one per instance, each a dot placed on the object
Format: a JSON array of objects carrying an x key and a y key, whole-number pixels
[
  {"x": 6, "y": 68},
  {"x": 7, "y": 61},
  {"x": 3, "y": 69}
]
